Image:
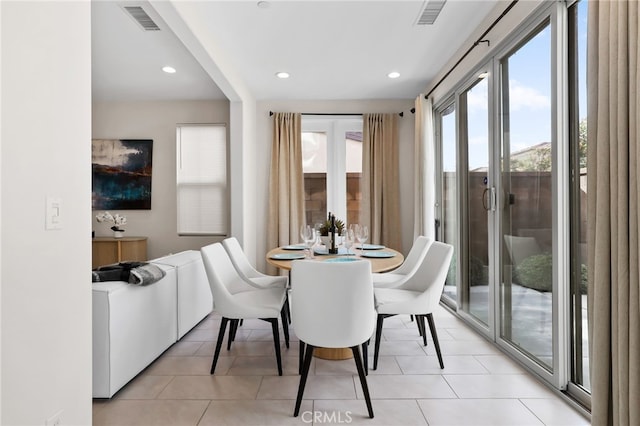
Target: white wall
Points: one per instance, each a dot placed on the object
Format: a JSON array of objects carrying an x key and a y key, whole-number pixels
[
  {"x": 263, "y": 154},
  {"x": 46, "y": 297},
  {"x": 157, "y": 121}
]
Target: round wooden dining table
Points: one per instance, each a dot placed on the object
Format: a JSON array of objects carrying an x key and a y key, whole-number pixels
[{"x": 378, "y": 264}]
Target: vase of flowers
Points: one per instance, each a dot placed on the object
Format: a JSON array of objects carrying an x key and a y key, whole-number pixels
[{"x": 117, "y": 220}]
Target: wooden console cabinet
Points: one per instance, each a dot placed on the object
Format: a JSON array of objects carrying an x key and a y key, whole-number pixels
[{"x": 107, "y": 250}]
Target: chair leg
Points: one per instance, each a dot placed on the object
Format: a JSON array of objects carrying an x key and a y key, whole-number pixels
[
  {"x": 288, "y": 287},
  {"x": 434, "y": 336},
  {"x": 286, "y": 304},
  {"x": 276, "y": 342},
  {"x": 378, "y": 337},
  {"x": 423, "y": 330},
  {"x": 223, "y": 327},
  {"x": 420, "y": 330},
  {"x": 285, "y": 326},
  {"x": 232, "y": 332},
  {"x": 363, "y": 378},
  {"x": 301, "y": 357},
  {"x": 365, "y": 356},
  {"x": 303, "y": 378}
]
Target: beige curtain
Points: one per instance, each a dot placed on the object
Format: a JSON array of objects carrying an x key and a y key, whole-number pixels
[
  {"x": 424, "y": 170},
  {"x": 286, "y": 182},
  {"x": 380, "y": 208},
  {"x": 613, "y": 211}
]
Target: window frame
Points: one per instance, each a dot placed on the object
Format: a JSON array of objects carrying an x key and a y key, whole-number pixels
[
  {"x": 335, "y": 128},
  {"x": 223, "y": 231}
]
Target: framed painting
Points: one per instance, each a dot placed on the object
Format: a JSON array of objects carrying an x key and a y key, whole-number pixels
[{"x": 121, "y": 177}]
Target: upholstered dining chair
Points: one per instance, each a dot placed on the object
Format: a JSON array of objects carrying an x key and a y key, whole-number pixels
[
  {"x": 408, "y": 267},
  {"x": 234, "y": 302},
  {"x": 247, "y": 271},
  {"x": 418, "y": 295},
  {"x": 332, "y": 306},
  {"x": 251, "y": 275}
]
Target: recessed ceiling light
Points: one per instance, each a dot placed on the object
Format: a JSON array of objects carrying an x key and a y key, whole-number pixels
[
  {"x": 264, "y": 4},
  {"x": 282, "y": 74},
  {"x": 169, "y": 70},
  {"x": 394, "y": 74}
]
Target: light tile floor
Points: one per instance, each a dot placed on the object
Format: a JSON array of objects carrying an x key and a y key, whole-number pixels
[{"x": 479, "y": 385}]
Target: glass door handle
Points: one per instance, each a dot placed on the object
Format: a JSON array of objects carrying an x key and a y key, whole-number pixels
[
  {"x": 491, "y": 204},
  {"x": 484, "y": 199}
]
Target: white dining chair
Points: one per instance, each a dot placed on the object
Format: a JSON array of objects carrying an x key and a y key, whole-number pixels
[
  {"x": 247, "y": 271},
  {"x": 408, "y": 267},
  {"x": 265, "y": 304},
  {"x": 418, "y": 295},
  {"x": 252, "y": 276},
  {"x": 332, "y": 306}
]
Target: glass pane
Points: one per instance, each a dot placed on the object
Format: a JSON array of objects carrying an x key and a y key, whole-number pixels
[
  {"x": 449, "y": 195},
  {"x": 477, "y": 140},
  {"x": 578, "y": 137},
  {"x": 353, "y": 149},
  {"x": 527, "y": 255},
  {"x": 314, "y": 167}
]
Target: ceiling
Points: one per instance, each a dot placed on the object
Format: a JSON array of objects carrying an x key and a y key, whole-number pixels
[{"x": 332, "y": 49}]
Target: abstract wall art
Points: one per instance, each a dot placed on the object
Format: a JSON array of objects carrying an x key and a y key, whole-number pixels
[{"x": 121, "y": 174}]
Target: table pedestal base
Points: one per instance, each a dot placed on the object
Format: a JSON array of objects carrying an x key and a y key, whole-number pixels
[{"x": 333, "y": 353}]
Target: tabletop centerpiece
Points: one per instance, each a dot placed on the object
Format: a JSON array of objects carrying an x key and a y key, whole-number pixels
[{"x": 324, "y": 231}]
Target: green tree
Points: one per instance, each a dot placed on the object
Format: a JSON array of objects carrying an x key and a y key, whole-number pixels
[{"x": 536, "y": 159}]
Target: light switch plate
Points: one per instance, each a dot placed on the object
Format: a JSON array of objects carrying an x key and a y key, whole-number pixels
[{"x": 53, "y": 212}]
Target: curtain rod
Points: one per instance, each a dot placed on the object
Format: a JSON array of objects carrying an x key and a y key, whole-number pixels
[
  {"x": 354, "y": 114},
  {"x": 480, "y": 40}
]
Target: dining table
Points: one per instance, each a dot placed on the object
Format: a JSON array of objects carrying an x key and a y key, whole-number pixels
[{"x": 382, "y": 259}]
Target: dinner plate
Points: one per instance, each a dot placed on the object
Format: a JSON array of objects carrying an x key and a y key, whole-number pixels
[
  {"x": 342, "y": 259},
  {"x": 370, "y": 247},
  {"x": 287, "y": 256},
  {"x": 378, "y": 254},
  {"x": 294, "y": 247}
]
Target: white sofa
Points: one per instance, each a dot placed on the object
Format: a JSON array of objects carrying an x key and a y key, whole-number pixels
[
  {"x": 133, "y": 325},
  {"x": 194, "y": 293}
]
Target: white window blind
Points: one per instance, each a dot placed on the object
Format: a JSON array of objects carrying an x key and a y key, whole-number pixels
[{"x": 202, "y": 193}]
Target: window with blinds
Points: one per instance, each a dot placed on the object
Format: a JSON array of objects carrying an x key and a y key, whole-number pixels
[{"x": 202, "y": 194}]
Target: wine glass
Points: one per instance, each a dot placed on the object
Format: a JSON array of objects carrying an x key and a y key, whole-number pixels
[
  {"x": 308, "y": 236},
  {"x": 362, "y": 234},
  {"x": 349, "y": 239},
  {"x": 318, "y": 227}
]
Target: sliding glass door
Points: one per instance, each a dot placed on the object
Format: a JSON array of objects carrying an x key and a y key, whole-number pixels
[
  {"x": 527, "y": 259},
  {"x": 448, "y": 229},
  {"x": 578, "y": 138},
  {"x": 512, "y": 196},
  {"x": 477, "y": 198}
]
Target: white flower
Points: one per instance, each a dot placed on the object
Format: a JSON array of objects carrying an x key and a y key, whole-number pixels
[{"x": 117, "y": 220}]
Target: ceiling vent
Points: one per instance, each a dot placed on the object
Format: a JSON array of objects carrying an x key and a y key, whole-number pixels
[
  {"x": 141, "y": 17},
  {"x": 430, "y": 12}
]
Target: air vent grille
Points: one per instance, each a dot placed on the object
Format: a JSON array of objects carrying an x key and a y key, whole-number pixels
[
  {"x": 142, "y": 18},
  {"x": 430, "y": 12}
]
